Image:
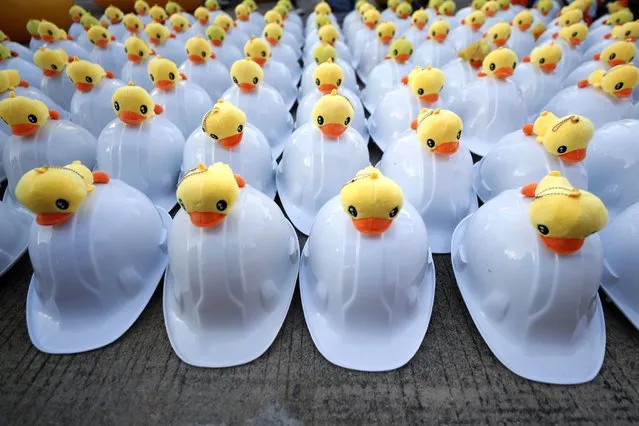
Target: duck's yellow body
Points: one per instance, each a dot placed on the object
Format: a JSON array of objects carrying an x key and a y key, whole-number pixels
[
  {"x": 133, "y": 105},
  {"x": 474, "y": 20},
  {"x": 618, "y": 53},
  {"x": 323, "y": 53},
  {"x": 136, "y": 49},
  {"x": 198, "y": 50},
  {"x": 419, "y": 19},
  {"x": 498, "y": 34},
  {"x": 258, "y": 50},
  {"x": 438, "y": 31},
  {"x": 566, "y": 137},
  {"x": 225, "y": 124}
]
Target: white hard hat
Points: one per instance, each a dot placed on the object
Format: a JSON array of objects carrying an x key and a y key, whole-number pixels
[
  {"x": 384, "y": 78},
  {"x": 186, "y": 115},
  {"x": 14, "y": 236},
  {"x": 93, "y": 110}
]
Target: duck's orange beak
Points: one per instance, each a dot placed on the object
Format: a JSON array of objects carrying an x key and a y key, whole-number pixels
[
  {"x": 326, "y": 88},
  {"x": 503, "y": 72},
  {"x": 548, "y": 68},
  {"x": 130, "y": 117},
  {"x": 440, "y": 38},
  {"x": 575, "y": 41},
  {"x": 372, "y": 225},
  {"x": 562, "y": 245},
  {"x": 449, "y": 13},
  {"x": 75, "y": 19},
  {"x": 420, "y": 25},
  {"x": 524, "y": 27},
  {"x": 402, "y": 58},
  {"x": 216, "y": 43},
  {"x": 24, "y": 129},
  {"x": 574, "y": 156},
  {"x": 370, "y": 25},
  {"x": 83, "y": 87},
  {"x": 164, "y": 84},
  {"x": 231, "y": 141},
  {"x": 500, "y": 42},
  {"x": 132, "y": 30},
  {"x": 615, "y": 62},
  {"x": 543, "y": 12},
  {"x": 447, "y": 148},
  {"x": 246, "y": 87},
  {"x": 102, "y": 43},
  {"x": 141, "y": 12},
  {"x": 177, "y": 28},
  {"x": 386, "y": 39},
  {"x": 50, "y": 219},
  {"x": 134, "y": 58},
  {"x": 50, "y": 73},
  {"x": 259, "y": 61},
  {"x": 475, "y": 26},
  {"x": 48, "y": 39},
  {"x": 476, "y": 63},
  {"x": 154, "y": 41},
  {"x": 114, "y": 21},
  {"x": 430, "y": 98},
  {"x": 206, "y": 219},
  {"x": 624, "y": 93},
  {"x": 203, "y": 21},
  {"x": 272, "y": 41},
  {"x": 490, "y": 13},
  {"x": 243, "y": 18},
  {"x": 403, "y": 15},
  {"x": 196, "y": 59},
  {"x": 158, "y": 20},
  {"x": 333, "y": 130}
]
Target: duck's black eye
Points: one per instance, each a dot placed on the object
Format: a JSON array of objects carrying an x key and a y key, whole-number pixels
[
  {"x": 320, "y": 120},
  {"x": 54, "y": 67},
  {"x": 137, "y": 26},
  {"x": 317, "y": 81},
  {"x": 158, "y": 36},
  {"x": 420, "y": 91},
  {"x": 317, "y": 60},
  {"x": 116, "y": 105},
  {"x": 181, "y": 203},
  {"x": 521, "y": 22},
  {"x": 240, "y": 128},
  {"x": 543, "y": 229},
  {"x": 263, "y": 54},
  {"x": 50, "y": 32},
  {"x": 433, "y": 33},
  {"x": 221, "y": 205},
  {"x": 514, "y": 65},
  {"x": 255, "y": 80},
  {"x": 627, "y": 33},
  {"x": 542, "y": 61},
  {"x": 410, "y": 52},
  {"x": 472, "y": 20},
  {"x": 495, "y": 37},
  {"x": 126, "y": 50},
  {"x": 430, "y": 143},
  {"x": 339, "y": 82},
  {"x": 32, "y": 118},
  {"x": 140, "y": 53},
  {"x": 266, "y": 35},
  {"x": 492, "y": 67},
  {"x": 348, "y": 120},
  {"x": 393, "y": 212},
  {"x": 62, "y": 204},
  {"x": 187, "y": 52},
  {"x": 612, "y": 56},
  {"x": 104, "y": 35},
  {"x": 574, "y": 34},
  {"x": 395, "y": 52},
  {"x": 213, "y": 135},
  {"x": 352, "y": 211},
  {"x": 618, "y": 86},
  {"x": 235, "y": 80},
  {"x": 562, "y": 149},
  {"x": 203, "y": 54},
  {"x": 171, "y": 76},
  {"x": 379, "y": 34},
  {"x": 459, "y": 134},
  {"x": 92, "y": 41},
  {"x": 151, "y": 77},
  {"x": 181, "y": 25},
  {"x": 144, "y": 109}
]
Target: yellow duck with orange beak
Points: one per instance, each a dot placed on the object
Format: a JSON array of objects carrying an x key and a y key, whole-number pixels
[
  {"x": 440, "y": 131},
  {"x": 134, "y": 25},
  {"x": 566, "y": 137},
  {"x": 474, "y": 20},
  {"x": 499, "y": 64},
  {"x": 328, "y": 77},
  {"x": 164, "y": 73},
  {"x": 246, "y": 74},
  {"x": 333, "y": 114},
  {"x": 133, "y": 105},
  {"x": 618, "y": 81},
  {"x": 545, "y": 57},
  {"x": 25, "y": 116},
  {"x": 225, "y": 124},
  {"x": 498, "y": 34}
]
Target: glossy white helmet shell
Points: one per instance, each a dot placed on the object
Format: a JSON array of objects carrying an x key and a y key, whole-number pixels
[
  {"x": 537, "y": 87},
  {"x": 184, "y": 105},
  {"x": 93, "y": 109},
  {"x": 4, "y": 138},
  {"x": 94, "y": 274},
  {"x": 61, "y": 89},
  {"x": 14, "y": 236},
  {"x": 277, "y": 75},
  {"x": 285, "y": 54},
  {"x": 613, "y": 165},
  {"x": 517, "y": 160},
  {"x": 439, "y": 187},
  {"x": 227, "y": 289},
  {"x": 458, "y": 74},
  {"x": 383, "y": 78},
  {"x": 251, "y": 158},
  {"x": 146, "y": 156},
  {"x": 112, "y": 58},
  {"x": 367, "y": 300},
  {"x": 372, "y": 53},
  {"x": 313, "y": 170},
  {"x": 462, "y": 36},
  {"x": 173, "y": 49},
  {"x": 521, "y": 42},
  {"x": 212, "y": 76},
  {"x": 435, "y": 54},
  {"x": 539, "y": 312}
]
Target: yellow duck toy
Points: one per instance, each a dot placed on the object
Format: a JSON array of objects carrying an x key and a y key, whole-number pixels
[
  {"x": 400, "y": 50},
  {"x": 618, "y": 53},
  {"x": 216, "y": 35},
  {"x": 500, "y": 64},
  {"x": 225, "y": 124},
  {"x": 54, "y": 194},
  {"x": 100, "y": 36},
  {"x": 32, "y": 28},
  {"x": 224, "y": 21},
  {"x": 85, "y": 75},
  {"x": 566, "y": 137},
  {"x": 419, "y": 19},
  {"x": 570, "y": 17},
  {"x": 438, "y": 31},
  {"x": 545, "y": 57},
  {"x": 133, "y": 105},
  {"x": 25, "y": 116},
  {"x": 434, "y": 4},
  {"x": 503, "y": 4},
  {"x": 242, "y": 12},
  {"x": 322, "y": 20},
  {"x": 246, "y": 75},
  {"x": 498, "y": 34},
  {"x": 10, "y": 79},
  {"x": 133, "y": 23},
  {"x": 322, "y": 8},
  {"x": 426, "y": 84},
  {"x": 447, "y": 8},
  {"x": 371, "y": 19},
  {"x": 179, "y": 23},
  {"x": 328, "y": 34},
  {"x": 157, "y": 33},
  {"x": 490, "y": 8},
  {"x": 562, "y": 215},
  {"x": 475, "y": 53},
  {"x": 212, "y": 5},
  {"x": 257, "y": 49},
  {"x": 574, "y": 34},
  {"x": 137, "y": 50},
  {"x": 202, "y": 15},
  {"x": 198, "y": 50},
  {"x": 114, "y": 15},
  {"x": 618, "y": 81},
  {"x": 474, "y": 20},
  {"x": 404, "y": 10},
  {"x": 141, "y": 7},
  {"x": 616, "y": 6},
  {"x": 49, "y": 32},
  {"x": 76, "y": 13},
  {"x": 172, "y": 8},
  {"x": 478, "y": 4},
  {"x": 323, "y": 53},
  {"x": 158, "y": 14},
  {"x": 87, "y": 21},
  {"x": 627, "y": 31},
  {"x": 372, "y": 201},
  {"x": 333, "y": 114},
  {"x": 208, "y": 194},
  {"x": 328, "y": 76},
  {"x": 523, "y": 20},
  {"x": 273, "y": 34},
  {"x": 620, "y": 17},
  {"x": 164, "y": 73},
  {"x": 439, "y": 131},
  {"x": 51, "y": 62},
  {"x": 273, "y": 17},
  {"x": 537, "y": 30}
]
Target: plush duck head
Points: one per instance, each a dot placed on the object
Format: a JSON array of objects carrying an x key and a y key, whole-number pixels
[
  {"x": 54, "y": 194},
  {"x": 253, "y": 6},
  {"x": 426, "y": 84},
  {"x": 537, "y": 30},
  {"x": 164, "y": 73},
  {"x": 202, "y": 15},
  {"x": 141, "y": 7},
  {"x": 157, "y": 33},
  {"x": 198, "y": 50},
  {"x": 25, "y": 116},
  {"x": 179, "y": 23},
  {"x": 86, "y": 75},
  {"x": 87, "y": 21},
  {"x": 133, "y": 23},
  {"x": 100, "y": 36},
  {"x": 10, "y": 79},
  {"x": 114, "y": 15},
  {"x": 224, "y": 21},
  {"x": 328, "y": 34},
  {"x": 51, "y": 62},
  {"x": 618, "y": 53},
  {"x": 618, "y": 81},
  {"x": 434, "y": 4},
  {"x": 273, "y": 33},
  {"x": 258, "y": 50},
  {"x": 216, "y": 35},
  {"x": 371, "y": 19},
  {"x": 498, "y": 34},
  {"x": 242, "y": 12},
  {"x": 363, "y": 9},
  {"x": 439, "y": 131},
  {"x": 322, "y": 20},
  {"x": 438, "y": 31},
  {"x": 616, "y": 6},
  {"x": 158, "y": 14},
  {"x": 225, "y": 124},
  {"x": 404, "y": 10},
  {"x": 322, "y": 8},
  {"x": 5, "y": 53},
  {"x": 333, "y": 114},
  {"x": 490, "y": 8},
  {"x": 208, "y": 194},
  {"x": 562, "y": 214},
  {"x": 419, "y": 19},
  {"x": 133, "y": 105},
  {"x": 566, "y": 137},
  {"x": 273, "y": 17},
  {"x": 328, "y": 76},
  {"x": 477, "y": 4},
  {"x": 523, "y": 20},
  {"x": 323, "y": 53},
  {"x": 372, "y": 201},
  {"x": 76, "y": 13},
  {"x": 212, "y": 5},
  {"x": 400, "y": 50},
  {"x": 619, "y": 18},
  {"x": 136, "y": 49},
  {"x": 32, "y": 28},
  {"x": 475, "y": 53},
  {"x": 392, "y": 5},
  {"x": 500, "y": 64},
  {"x": 503, "y": 4},
  {"x": 49, "y": 32},
  {"x": 627, "y": 31},
  {"x": 172, "y": 8},
  {"x": 570, "y": 17},
  {"x": 574, "y": 34},
  {"x": 447, "y": 8},
  {"x": 246, "y": 74},
  {"x": 544, "y": 7},
  {"x": 545, "y": 57},
  {"x": 474, "y": 20}
]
